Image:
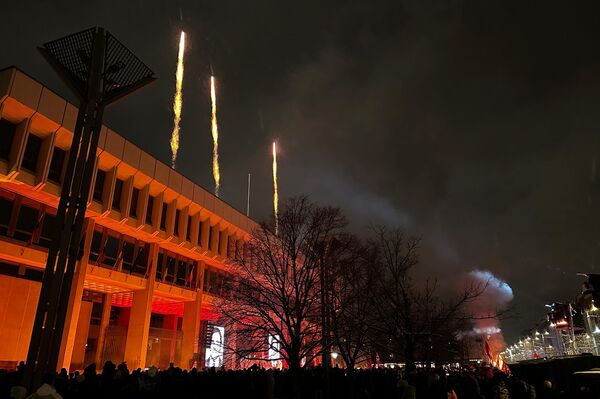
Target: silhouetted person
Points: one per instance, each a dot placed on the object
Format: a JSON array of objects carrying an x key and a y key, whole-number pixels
[{"x": 47, "y": 390}]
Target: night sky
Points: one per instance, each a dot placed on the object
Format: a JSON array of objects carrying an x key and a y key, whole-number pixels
[{"x": 473, "y": 124}]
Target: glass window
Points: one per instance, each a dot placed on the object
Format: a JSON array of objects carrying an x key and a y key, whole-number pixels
[
  {"x": 199, "y": 233},
  {"x": 128, "y": 248},
  {"x": 34, "y": 274},
  {"x": 156, "y": 320},
  {"x": 170, "y": 270},
  {"x": 116, "y": 203},
  {"x": 49, "y": 230},
  {"x": 160, "y": 265},
  {"x": 99, "y": 186},
  {"x": 96, "y": 245},
  {"x": 220, "y": 241},
  {"x": 188, "y": 229},
  {"x": 111, "y": 251},
  {"x": 182, "y": 271},
  {"x": 176, "y": 228},
  {"x": 9, "y": 269},
  {"x": 135, "y": 195},
  {"x": 210, "y": 234},
  {"x": 163, "y": 217},
  {"x": 26, "y": 223},
  {"x": 7, "y": 134},
  {"x": 6, "y": 207},
  {"x": 149, "y": 209},
  {"x": 56, "y": 165},
  {"x": 32, "y": 152},
  {"x": 141, "y": 259}
]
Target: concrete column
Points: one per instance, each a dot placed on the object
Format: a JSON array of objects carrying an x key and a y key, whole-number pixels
[
  {"x": 214, "y": 240},
  {"x": 81, "y": 336},
  {"x": 170, "y": 323},
  {"x": 205, "y": 226},
  {"x": 190, "y": 329},
  {"x": 223, "y": 242},
  {"x": 106, "y": 307},
  {"x": 74, "y": 307},
  {"x": 136, "y": 346}
]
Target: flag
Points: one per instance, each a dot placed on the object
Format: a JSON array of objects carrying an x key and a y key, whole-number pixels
[
  {"x": 119, "y": 256},
  {"x": 487, "y": 354},
  {"x": 101, "y": 256},
  {"x": 191, "y": 276},
  {"x": 38, "y": 226}
]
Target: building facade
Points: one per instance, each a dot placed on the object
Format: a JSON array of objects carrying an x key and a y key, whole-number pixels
[{"x": 154, "y": 253}]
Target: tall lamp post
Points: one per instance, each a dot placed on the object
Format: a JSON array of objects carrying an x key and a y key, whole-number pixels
[{"x": 99, "y": 70}]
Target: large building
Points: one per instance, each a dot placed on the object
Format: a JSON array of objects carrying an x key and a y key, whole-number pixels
[{"x": 155, "y": 251}]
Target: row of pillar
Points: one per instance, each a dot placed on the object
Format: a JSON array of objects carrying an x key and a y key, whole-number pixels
[{"x": 136, "y": 344}]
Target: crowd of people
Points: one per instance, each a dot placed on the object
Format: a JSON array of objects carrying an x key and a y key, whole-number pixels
[{"x": 119, "y": 382}]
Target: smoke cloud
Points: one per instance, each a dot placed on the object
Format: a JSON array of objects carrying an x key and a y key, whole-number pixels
[{"x": 496, "y": 298}]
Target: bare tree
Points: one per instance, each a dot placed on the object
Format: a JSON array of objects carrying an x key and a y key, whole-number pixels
[
  {"x": 349, "y": 286},
  {"x": 275, "y": 301},
  {"x": 413, "y": 319}
]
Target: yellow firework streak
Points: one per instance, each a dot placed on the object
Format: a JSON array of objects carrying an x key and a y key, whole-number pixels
[
  {"x": 177, "y": 101},
  {"x": 215, "y": 136},
  {"x": 275, "y": 190}
]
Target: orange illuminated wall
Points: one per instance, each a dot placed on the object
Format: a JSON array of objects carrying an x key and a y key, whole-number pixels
[{"x": 18, "y": 302}]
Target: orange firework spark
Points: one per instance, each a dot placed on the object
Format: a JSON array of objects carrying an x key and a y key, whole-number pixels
[
  {"x": 275, "y": 189},
  {"x": 177, "y": 101},
  {"x": 215, "y": 136}
]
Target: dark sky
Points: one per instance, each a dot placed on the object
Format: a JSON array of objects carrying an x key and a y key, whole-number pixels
[{"x": 472, "y": 123}]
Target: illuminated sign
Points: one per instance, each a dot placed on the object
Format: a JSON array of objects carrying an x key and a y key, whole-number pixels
[
  {"x": 274, "y": 347},
  {"x": 214, "y": 351}
]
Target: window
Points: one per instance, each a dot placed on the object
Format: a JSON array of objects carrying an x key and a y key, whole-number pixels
[
  {"x": 215, "y": 282},
  {"x": 163, "y": 217},
  {"x": 188, "y": 229},
  {"x": 160, "y": 264},
  {"x": 56, "y": 165},
  {"x": 141, "y": 259},
  {"x": 99, "y": 186},
  {"x": 7, "y": 134},
  {"x": 170, "y": 269},
  {"x": 231, "y": 245},
  {"x": 111, "y": 251},
  {"x": 135, "y": 195},
  {"x": 176, "y": 228},
  {"x": 116, "y": 202},
  {"x": 96, "y": 245},
  {"x": 49, "y": 230},
  {"x": 26, "y": 223},
  {"x": 210, "y": 234},
  {"x": 199, "y": 233},
  {"x": 149, "y": 209},
  {"x": 96, "y": 316},
  {"x": 220, "y": 241},
  {"x": 6, "y": 207},
  {"x": 156, "y": 320},
  {"x": 127, "y": 255},
  {"x": 182, "y": 273},
  {"x": 34, "y": 274},
  {"x": 32, "y": 152}
]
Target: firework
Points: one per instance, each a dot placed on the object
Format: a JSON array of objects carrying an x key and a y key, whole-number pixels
[
  {"x": 177, "y": 101},
  {"x": 275, "y": 190},
  {"x": 215, "y": 136}
]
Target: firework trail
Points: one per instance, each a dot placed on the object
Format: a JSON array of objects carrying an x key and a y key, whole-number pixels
[
  {"x": 177, "y": 101},
  {"x": 275, "y": 190},
  {"x": 215, "y": 136}
]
